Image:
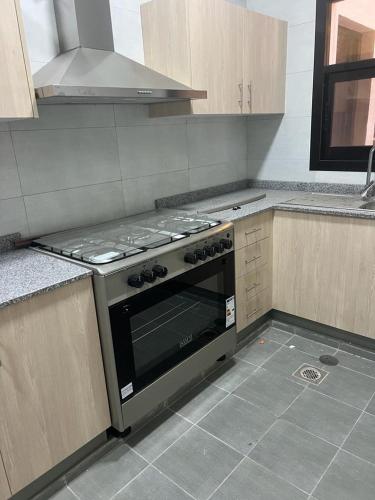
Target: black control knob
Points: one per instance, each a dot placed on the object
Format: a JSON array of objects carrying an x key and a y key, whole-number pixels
[
  {"x": 191, "y": 258},
  {"x": 201, "y": 254},
  {"x": 227, "y": 244},
  {"x": 219, "y": 247},
  {"x": 160, "y": 271},
  {"x": 136, "y": 281},
  {"x": 210, "y": 250},
  {"x": 148, "y": 276}
]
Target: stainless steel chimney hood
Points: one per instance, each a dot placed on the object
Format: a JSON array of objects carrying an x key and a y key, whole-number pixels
[{"x": 89, "y": 71}]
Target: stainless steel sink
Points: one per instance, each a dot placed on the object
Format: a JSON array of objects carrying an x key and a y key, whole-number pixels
[{"x": 370, "y": 205}]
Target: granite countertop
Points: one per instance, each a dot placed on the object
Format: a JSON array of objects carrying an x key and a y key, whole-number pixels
[
  {"x": 320, "y": 203},
  {"x": 25, "y": 273}
]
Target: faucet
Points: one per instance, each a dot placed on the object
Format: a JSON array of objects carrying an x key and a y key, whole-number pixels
[{"x": 369, "y": 189}]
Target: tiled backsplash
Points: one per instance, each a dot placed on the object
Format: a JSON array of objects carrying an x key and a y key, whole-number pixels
[{"x": 82, "y": 164}]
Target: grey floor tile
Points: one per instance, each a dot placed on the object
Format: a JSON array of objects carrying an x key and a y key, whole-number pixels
[
  {"x": 345, "y": 385},
  {"x": 347, "y": 478},
  {"x": 322, "y": 416},
  {"x": 371, "y": 406},
  {"x": 316, "y": 337},
  {"x": 108, "y": 475},
  {"x": 362, "y": 365},
  {"x": 257, "y": 353},
  {"x": 311, "y": 347},
  {"x": 198, "y": 462},
  {"x": 361, "y": 441},
  {"x": 158, "y": 434},
  {"x": 279, "y": 336},
  {"x": 198, "y": 401},
  {"x": 285, "y": 327},
  {"x": 152, "y": 485},
  {"x": 269, "y": 390},
  {"x": 237, "y": 423},
  {"x": 232, "y": 374},
  {"x": 358, "y": 351},
  {"x": 286, "y": 361},
  {"x": 251, "y": 481},
  {"x": 64, "y": 494},
  {"x": 294, "y": 455}
]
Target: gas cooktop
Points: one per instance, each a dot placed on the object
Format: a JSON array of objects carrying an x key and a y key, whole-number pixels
[{"x": 122, "y": 238}]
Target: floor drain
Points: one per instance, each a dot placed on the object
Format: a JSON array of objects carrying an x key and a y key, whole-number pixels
[
  {"x": 310, "y": 374},
  {"x": 326, "y": 359}
]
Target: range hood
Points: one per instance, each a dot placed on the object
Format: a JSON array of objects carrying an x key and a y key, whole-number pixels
[{"x": 88, "y": 70}]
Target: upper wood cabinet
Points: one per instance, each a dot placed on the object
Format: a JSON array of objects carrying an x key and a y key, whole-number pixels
[
  {"x": 324, "y": 270},
  {"x": 17, "y": 97},
  {"x": 265, "y": 45},
  {"x": 238, "y": 56},
  {"x": 52, "y": 386}
]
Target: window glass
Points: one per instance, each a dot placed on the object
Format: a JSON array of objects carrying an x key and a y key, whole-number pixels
[
  {"x": 351, "y": 31},
  {"x": 353, "y": 114}
]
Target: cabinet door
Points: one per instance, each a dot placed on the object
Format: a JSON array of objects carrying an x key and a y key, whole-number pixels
[
  {"x": 4, "y": 486},
  {"x": 52, "y": 383},
  {"x": 216, "y": 42},
  {"x": 324, "y": 270},
  {"x": 17, "y": 99},
  {"x": 265, "y": 41}
]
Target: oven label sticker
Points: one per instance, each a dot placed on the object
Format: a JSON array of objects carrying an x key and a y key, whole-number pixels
[
  {"x": 230, "y": 312},
  {"x": 127, "y": 390}
]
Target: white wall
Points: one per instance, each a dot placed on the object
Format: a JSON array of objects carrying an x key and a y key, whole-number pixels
[{"x": 279, "y": 147}]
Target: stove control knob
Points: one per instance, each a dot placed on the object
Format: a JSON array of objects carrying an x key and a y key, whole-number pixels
[
  {"x": 210, "y": 250},
  {"x": 227, "y": 244},
  {"x": 201, "y": 254},
  {"x": 148, "y": 276},
  {"x": 160, "y": 271},
  {"x": 136, "y": 281},
  {"x": 219, "y": 247},
  {"x": 191, "y": 258}
]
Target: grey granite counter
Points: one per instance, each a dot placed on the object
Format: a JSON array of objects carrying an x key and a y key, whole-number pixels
[
  {"x": 326, "y": 204},
  {"x": 25, "y": 273},
  {"x": 272, "y": 199}
]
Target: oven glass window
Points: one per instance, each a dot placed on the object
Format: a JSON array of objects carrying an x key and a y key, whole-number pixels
[
  {"x": 183, "y": 314},
  {"x": 158, "y": 328}
]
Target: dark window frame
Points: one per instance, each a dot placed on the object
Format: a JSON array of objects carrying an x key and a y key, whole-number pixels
[{"x": 323, "y": 157}]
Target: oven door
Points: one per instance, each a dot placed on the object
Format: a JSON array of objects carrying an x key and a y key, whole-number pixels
[{"x": 156, "y": 329}]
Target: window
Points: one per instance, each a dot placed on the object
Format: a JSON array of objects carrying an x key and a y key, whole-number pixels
[{"x": 343, "y": 117}]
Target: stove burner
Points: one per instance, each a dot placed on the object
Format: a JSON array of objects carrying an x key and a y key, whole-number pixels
[{"x": 123, "y": 238}]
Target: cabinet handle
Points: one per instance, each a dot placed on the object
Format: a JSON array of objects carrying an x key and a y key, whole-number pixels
[
  {"x": 240, "y": 101},
  {"x": 252, "y": 314},
  {"x": 255, "y": 285},
  {"x": 250, "y": 101},
  {"x": 252, "y": 231},
  {"x": 252, "y": 260}
]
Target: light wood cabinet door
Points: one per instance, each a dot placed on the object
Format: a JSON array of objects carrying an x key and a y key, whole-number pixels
[
  {"x": 265, "y": 45},
  {"x": 4, "y": 486},
  {"x": 199, "y": 43},
  {"x": 324, "y": 270},
  {"x": 17, "y": 98},
  {"x": 52, "y": 382},
  {"x": 216, "y": 41}
]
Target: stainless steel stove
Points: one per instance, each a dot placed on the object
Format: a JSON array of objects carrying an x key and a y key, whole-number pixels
[{"x": 164, "y": 291}]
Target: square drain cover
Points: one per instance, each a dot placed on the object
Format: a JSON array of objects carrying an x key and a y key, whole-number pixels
[{"x": 311, "y": 374}]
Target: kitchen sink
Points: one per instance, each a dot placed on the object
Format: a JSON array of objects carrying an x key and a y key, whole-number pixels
[{"x": 370, "y": 205}]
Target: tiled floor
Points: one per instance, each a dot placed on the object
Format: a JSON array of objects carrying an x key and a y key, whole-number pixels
[{"x": 252, "y": 430}]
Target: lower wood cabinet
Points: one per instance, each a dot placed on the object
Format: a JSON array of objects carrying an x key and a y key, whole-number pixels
[
  {"x": 324, "y": 270},
  {"x": 253, "y": 268},
  {"x": 52, "y": 383},
  {"x": 4, "y": 486}
]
